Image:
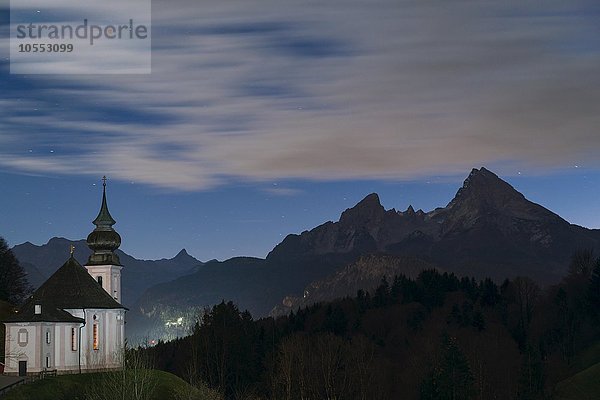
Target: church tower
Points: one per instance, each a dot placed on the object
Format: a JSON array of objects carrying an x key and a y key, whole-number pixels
[{"x": 104, "y": 265}]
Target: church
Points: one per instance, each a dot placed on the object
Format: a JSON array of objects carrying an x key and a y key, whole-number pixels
[{"x": 74, "y": 322}]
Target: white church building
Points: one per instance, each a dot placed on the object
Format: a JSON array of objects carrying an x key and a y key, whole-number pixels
[{"x": 74, "y": 322}]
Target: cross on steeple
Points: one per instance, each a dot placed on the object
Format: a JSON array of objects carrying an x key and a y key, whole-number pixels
[
  {"x": 72, "y": 250},
  {"x": 104, "y": 217}
]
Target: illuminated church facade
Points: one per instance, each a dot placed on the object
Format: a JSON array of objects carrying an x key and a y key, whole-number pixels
[{"x": 74, "y": 322}]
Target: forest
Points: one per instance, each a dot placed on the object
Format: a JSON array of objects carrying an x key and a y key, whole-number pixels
[{"x": 434, "y": 337}]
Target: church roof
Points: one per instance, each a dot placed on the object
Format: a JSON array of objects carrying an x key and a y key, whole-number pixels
[
  {"x": 70, "y": 287},
  {"x": 104, "y": 240},
  {"x": 48, "y": 314},
  {"x": 104, "y": 219}
]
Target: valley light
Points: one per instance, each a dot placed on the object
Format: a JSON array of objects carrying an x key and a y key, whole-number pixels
[{"x": 177, "y": 322}]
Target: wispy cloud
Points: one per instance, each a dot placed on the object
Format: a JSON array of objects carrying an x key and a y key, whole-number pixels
[
  {"x": 261, "y": 90},
  {"x": 283, "y": 191}
]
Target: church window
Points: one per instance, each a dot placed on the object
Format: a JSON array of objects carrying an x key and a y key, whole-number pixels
[
  {"x": 47, "y": 361},
  {"x": 100, "y": 280},
  {"x": 95, "y": 337},
  {"x": 23, "y": 337},
  {"x": 47, "y": 337},
  {"x": 73, "y": 339},
  {"x": 38, "y": 309}
]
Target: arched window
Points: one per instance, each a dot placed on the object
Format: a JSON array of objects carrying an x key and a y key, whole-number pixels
[
  {"x": 47, "y": 336},
  {"x": 23, "y": 337},
  {"x": 100, "y": 280},
  {"x": 74, "y": 339},
  {"x": 95, "y": 342}
]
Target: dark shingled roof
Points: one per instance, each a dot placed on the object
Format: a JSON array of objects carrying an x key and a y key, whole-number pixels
[
  {"x": 71, "y": 286},
  {"x": 49, "y": 314},
  {"x": 104, "y": 219}
]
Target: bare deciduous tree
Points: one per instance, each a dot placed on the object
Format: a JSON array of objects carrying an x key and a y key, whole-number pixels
[
  {"x": 526, "y": 296},
  {"x": 133, "y": 381}
]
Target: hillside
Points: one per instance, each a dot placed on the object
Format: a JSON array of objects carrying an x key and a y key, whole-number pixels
[
  {"x": 584, "y": 385},
  {"x": 256, "y": 284},
  {"x": 364, "y": 274},
  {"x": 435, "y": 336}
]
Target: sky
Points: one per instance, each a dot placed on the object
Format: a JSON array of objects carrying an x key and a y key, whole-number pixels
[{"x": 263, "y": 118}]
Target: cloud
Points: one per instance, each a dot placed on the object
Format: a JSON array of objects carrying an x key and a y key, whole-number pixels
[
  {"x": 283, "y": 191},
  {"x": 264, "y": 90}
]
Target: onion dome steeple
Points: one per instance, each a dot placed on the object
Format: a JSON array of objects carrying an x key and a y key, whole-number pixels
[{"x": 104, "y": 240}]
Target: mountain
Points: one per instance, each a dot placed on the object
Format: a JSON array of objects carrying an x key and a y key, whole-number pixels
[
  {"x": 137, "y": 275},
  {"x": 489, "y": 229},
  {"x": 364, "y": 274},
  {"x": 253, "y": 283}
]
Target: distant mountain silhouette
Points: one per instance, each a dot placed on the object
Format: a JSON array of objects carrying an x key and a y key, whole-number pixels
[
  {"x": 488, "y": 230},
  {"x": 138, "y": 275}
]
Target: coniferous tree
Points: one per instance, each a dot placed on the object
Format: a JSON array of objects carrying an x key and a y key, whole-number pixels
[
  {"x": 13, "y": 279},
  {"x": 396, "y": 290},
  {"x": 434, "y": 288},
  {"x": 467, "y": 313},
  {"x": 478, "y": 321},
  {"x": 452, "y": 378},
  {"x": 382, "y": 292},
  {"x": 489, "y": 293},
  {"x": 593, "y": 295},
  {"x": 336, "y": 321},
  {"x": 225, "y": 344}
]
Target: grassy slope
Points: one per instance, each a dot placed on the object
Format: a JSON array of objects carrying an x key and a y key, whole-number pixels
[
  {"x": 73, "y": 387},
  {"x": 587, "y": 358},
  {"x": 582, "y": 386},
  {"x": 585, "y": 383}
]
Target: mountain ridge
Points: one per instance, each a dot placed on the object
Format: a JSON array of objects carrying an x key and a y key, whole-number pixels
[
  {"x": 488, "y": 229},
  {"x": 41, "y": 261}
]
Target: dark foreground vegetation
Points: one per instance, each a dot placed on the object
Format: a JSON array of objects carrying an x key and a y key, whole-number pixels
[
  {"x": 434, "y": 337},
  {"x": 131, "y": 385}
]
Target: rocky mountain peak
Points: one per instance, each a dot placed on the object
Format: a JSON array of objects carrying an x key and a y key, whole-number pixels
[
  {"x": 367, "y": 210},
  {"x": 483, "y": 188},
  {"x": 184, "y": 258},
  {"x": 484, "y": 199},
  {"x": 371, "y": 200},
  {"x": 182, "y": 254}
]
